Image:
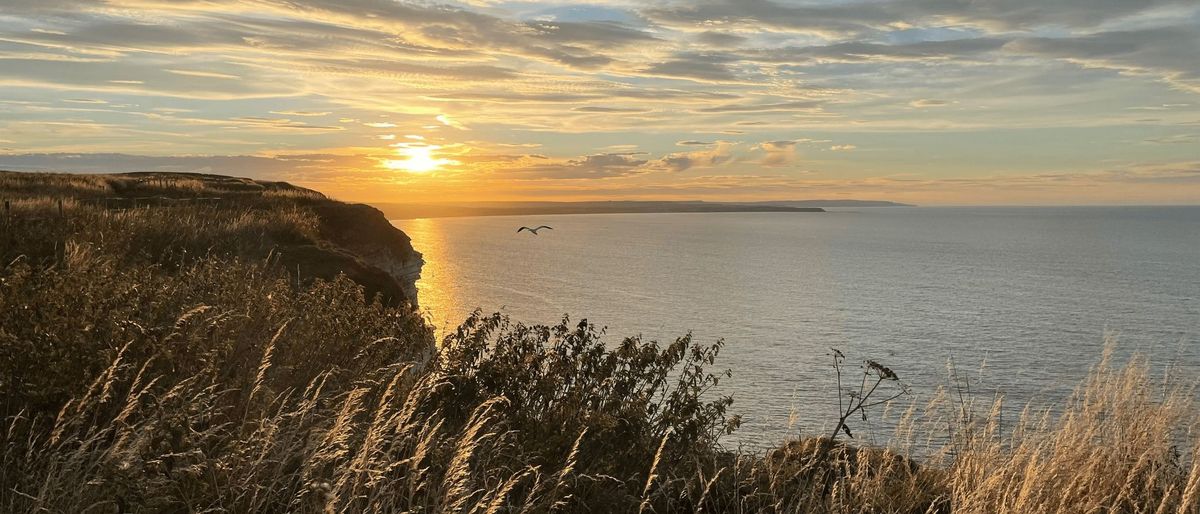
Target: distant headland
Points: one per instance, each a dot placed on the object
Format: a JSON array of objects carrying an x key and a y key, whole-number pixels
[
  {"x": 445, "y": 210},
  {"x": 833, "y": 203}
]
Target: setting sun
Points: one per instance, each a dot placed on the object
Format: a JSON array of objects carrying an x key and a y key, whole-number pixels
[{"x": 417, "y": 159}]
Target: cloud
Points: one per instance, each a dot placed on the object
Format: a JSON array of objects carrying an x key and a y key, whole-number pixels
[
  {"x": 596, "y": 109},
  {"x": 798, "y": 105},
  {"x": 400, "y": 69},
  {"x": 450, "y": 122},
  {"x": 281, "y": 123},
  {"x": 842, "y": 148},
  {"x": 1165, "y": 51},
  {"x": 777, "y": 153},
  {"x": 1176, "y": 139},
  {"x": 719, "y": 154},
  {"x": 863, "y": 52},
  {"x": 575, "y": 44},
  {"x": 702, "y": 67},
  {"x": 290, "y": 166},
  {"x": 606, "y": 165},
  {"x": 668, "y": 94},
  {"x": 302, "y": 113},
  {"x": 928, "y": 102},
  {"x": 751, "y": 13},
  {"x": 98, "y": 77},
  {"x": 720, "y": 39},
  {"x": 493, "y": 96},
  {"x": 205, "y": 74},
  {"x": 857, "y": 18}
]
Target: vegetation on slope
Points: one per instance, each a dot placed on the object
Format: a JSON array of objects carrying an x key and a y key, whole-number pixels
[
  {"x": 164, "y": 358},
  {"x": 172, "y": 220}
]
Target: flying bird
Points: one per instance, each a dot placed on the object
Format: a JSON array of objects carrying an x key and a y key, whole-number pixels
[{"x": 534, "y": 230}]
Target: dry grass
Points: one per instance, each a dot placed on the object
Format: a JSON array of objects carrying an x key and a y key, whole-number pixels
[
  {"x": 1124, "y": 443},
  {"x": 53, "y": 184},
  {"x": 293, "y": 194},
  {"x": 149, "y": 364}
]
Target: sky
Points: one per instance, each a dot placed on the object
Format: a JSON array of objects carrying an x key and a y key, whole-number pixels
[{"x": 934, "y": 102}]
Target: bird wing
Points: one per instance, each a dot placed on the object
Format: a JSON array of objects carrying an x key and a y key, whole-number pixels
[
  {"x": 545, "y": 226},
  {"x": 524, "y": 228}
]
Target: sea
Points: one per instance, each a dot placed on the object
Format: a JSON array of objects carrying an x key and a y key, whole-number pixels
[{"x": 1011, "y": 302}]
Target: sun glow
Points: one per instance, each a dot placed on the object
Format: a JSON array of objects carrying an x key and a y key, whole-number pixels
[{"x": 417, "y": 159}]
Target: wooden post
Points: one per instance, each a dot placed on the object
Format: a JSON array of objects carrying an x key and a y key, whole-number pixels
[{"x": 60, "y": 208}]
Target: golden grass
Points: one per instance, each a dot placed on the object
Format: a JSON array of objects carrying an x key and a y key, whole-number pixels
[
  {"x": 52, "y": 184},
  {"x": 1124, "y": 443},
  {"x": 305, "y": 194}
]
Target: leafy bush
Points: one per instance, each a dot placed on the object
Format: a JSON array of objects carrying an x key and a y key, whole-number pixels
[{"x": 190, "y": 389}]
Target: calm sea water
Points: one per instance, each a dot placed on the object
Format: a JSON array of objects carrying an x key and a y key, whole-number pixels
[{"x": 1019, "y": 298}]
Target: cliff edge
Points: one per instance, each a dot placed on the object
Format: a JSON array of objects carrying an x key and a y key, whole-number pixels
[{"x": 167, "y": 218}]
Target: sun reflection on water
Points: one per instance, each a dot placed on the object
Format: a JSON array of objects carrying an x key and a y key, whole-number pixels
[{"x": 436, "y": 289}]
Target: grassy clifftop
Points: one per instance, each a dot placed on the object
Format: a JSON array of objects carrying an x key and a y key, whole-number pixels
[{"x": 173, "y": 218}]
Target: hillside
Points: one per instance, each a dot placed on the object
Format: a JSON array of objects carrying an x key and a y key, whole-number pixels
[{"x": 299, "y": 229}]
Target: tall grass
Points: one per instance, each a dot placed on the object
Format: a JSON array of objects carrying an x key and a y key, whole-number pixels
[
  {"x": 148, "y": 370},
  {"x": 1124, "y": 443}
]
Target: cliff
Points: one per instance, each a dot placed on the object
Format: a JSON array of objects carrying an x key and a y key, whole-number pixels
[
  {"x": 365, "y": 234},
  {"x": 162, "y": 218}
]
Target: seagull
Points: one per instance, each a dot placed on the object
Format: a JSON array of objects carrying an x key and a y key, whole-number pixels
[{"x": 534, "y": 230}]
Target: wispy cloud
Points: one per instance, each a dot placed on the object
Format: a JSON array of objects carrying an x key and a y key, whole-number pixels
[
  {"x": 605, "y": 165},
  {"x": 635, "y": 98}
]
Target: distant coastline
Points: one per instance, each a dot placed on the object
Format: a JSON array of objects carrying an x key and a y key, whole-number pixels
[
  {"x": 448, "y": 210},
  {"x": 833, "y": 203}
]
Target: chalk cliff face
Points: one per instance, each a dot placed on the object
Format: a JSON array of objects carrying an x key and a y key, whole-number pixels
[
  {"x": 403, "y": 266},
  {"x": 364, "y": 232}
]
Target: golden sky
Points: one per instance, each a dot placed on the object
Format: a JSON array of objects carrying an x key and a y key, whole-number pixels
[{"x": 922, "y": 101}]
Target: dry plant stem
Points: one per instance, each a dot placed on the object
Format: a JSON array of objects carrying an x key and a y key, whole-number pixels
[{"x": 860, "y": 401}]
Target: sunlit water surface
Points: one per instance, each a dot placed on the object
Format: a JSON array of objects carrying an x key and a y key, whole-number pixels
[{"x": 1019, "y": 298}]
